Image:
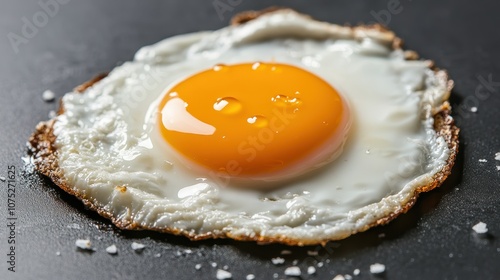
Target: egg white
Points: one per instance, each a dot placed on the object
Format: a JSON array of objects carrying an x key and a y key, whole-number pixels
[{"x": 108, "y": 137}]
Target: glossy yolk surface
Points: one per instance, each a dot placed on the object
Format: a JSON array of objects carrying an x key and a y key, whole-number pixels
[{"x": 250, "y": 119}]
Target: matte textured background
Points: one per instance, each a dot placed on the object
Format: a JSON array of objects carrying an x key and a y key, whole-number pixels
[{"x": 82, "y": 38}]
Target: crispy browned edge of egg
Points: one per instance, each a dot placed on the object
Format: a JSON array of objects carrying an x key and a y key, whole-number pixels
[{"x": 44, "y": 153}]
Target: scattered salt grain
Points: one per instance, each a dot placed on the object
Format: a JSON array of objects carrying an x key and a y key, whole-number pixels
[
  {"x": 137, "y": 246},
  {"x": 497, "y": 156},
  {"x": 277, "y": 260},
  {"x": 295, "y": 262},
  {"x": 292, "y": 271},
  {"x": 320, "y": 264},
  {"x": 188, "y": 251},
  {"x": 382, "y": 235},
  {"x": 498, "y": 167},
  {"x": 312, "y": 253},
  {"x": 112, "y": 249},
  {"x": 250, "y": 277},
  {"x": 2, "y": 178},
  {"x": 311, "y": 270},
  {"x": 356, "y": 272},
  {"x": 52, "y": 114},
  {"x": 58, "y": 253},
  {"x": 48, "y": 95},
  {"x": 157, "y": 255},
  {"x": 480, "y": 228},
  {"x": 275, "y": 275},
  {"x": 225, "y": 267},
  {"x": 377, "y": 268},
  {"x": 450, "y": 255},
  {"x": 348, "y": 277},
  {"x": 483, "y": 160},
  {"x": 286, "y": 252},
  {"x": 473, "y": 109},
  {"x": 197, "y": 266},
  {"x": 339, "y": 277},
  {"x": 83, "y": 244},
  {"x": 222, "y": 274},
  {"x": 214, "y": 264}
]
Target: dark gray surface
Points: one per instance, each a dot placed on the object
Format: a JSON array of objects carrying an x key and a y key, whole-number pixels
[{"x": 433, "y": 241}]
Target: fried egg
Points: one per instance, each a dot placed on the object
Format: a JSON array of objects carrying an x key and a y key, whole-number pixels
[{"x": 281, "y": 129}]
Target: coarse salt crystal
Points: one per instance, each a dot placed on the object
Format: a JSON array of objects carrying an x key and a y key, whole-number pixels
[
  {"x": 83, "y": 244},
  {"x": 320, "y": 264},
  {"x": 250, "y": 277},
  {"x": 483, "y": 160},
  {"x": 292, "y": 271},
  {"x": 480, "y": 228},
  {"x": 112, "y": 249},
  {"x": 137, "y": 246},
  {"x": 48, "y": 95},
  {"x": 356, "y": 272},
  {"x": 311, "y": 270},
  {"x": 339, "y": 277},
  {"x": 377, "y": 268},
  {"x": 278, "y": 260},
  {"x": 197, "y": 266},
  {"x": 473, "y": 109},
  {"x": 213, "y": 264},
  {"x": 348, "y": 277},
  {"x": 222, "y": 274},
  {"x": 312, "y": 253}
]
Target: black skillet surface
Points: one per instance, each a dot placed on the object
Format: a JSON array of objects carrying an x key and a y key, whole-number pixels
[{"x": 433, "y": 241}]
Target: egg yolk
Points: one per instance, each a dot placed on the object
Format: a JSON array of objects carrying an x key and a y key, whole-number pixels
[{"x": 250, "y": 120}]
